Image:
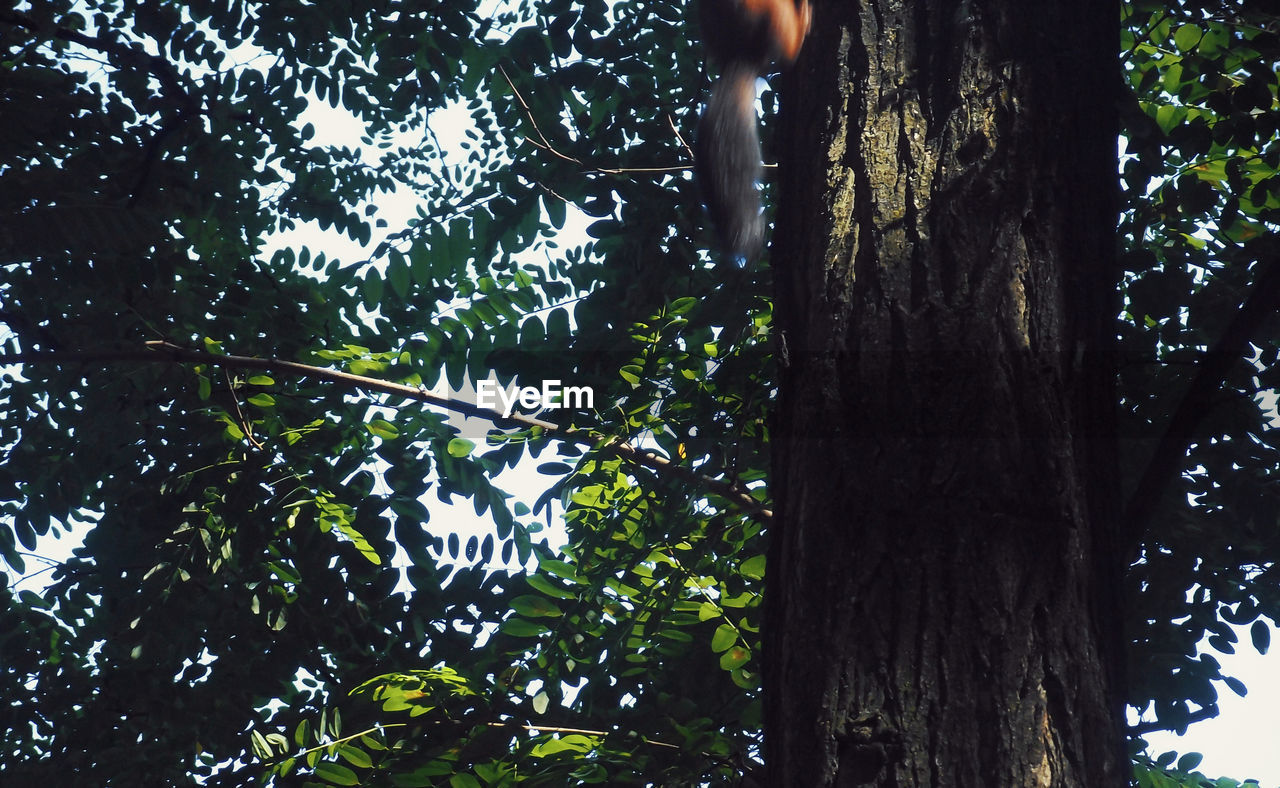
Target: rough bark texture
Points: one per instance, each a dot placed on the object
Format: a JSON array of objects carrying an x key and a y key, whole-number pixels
[{"x": 941, "y": 577}]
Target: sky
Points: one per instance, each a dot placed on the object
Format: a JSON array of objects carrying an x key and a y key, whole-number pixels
[{"x": 1243, "y": 741}]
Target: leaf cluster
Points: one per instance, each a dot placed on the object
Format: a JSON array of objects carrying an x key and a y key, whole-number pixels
[
  {"x": 261, "y": 591},
  {"x": 1199, "y": 345}
]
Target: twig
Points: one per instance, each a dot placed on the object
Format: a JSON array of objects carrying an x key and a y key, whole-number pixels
[
  {"x": 244, "y": 422},
  {"x": 544, "y": 144}
]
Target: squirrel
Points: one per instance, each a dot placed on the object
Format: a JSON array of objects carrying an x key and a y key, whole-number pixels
[{"x": 745, "y": 37}]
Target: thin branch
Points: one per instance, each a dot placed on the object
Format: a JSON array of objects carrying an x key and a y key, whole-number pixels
[
  {"x": 584, "y": 731},
  {"x": 245, "y": 427},
  {"x": 688, "y": 150},
  {"x": 1167, "y": 459},
  {"x": 544, "y": 144},
  {"x": 166, "y": 352},
  {"x": 491, "y": 723},
  {"x": 1144, "y": 36}
]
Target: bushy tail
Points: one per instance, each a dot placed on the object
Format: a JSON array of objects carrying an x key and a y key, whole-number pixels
[{"x": 727, "y": 162}]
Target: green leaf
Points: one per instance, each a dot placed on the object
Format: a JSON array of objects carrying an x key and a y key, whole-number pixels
[
  {"x": 558, "y": 568},
  {"x": 735, "y": 657},
  {"x": 300, "y": 732},
  {"x": 460, "y": 447},
  {"x": 383, "y": 429},
  {"x": 540, "y": 703},
  {"x": 754, "y": 567},
  {"x": 1260, "y": 634},
  {"x": 336, "y": 774},
  {"x": 372, "y": 289},
  {"x": 724, "y": 638},
  {"x": 1189, "y": 761},
  {"x": 518, "y": 627},
  {"x": 1236, "y": 685},
  {"x": 682, "y": 305},
  {"x": 571, "y": 742},
  {"x": 355, "y": 756},
  {"x": 535, "y": 606},
  {"x": 1186, "y": 37},
  {"x": 542, "y": 584},
  {"x": 285, "y": 573},
  {"x": 260, "y": 747},
  {"x": 398, "y": 274}
]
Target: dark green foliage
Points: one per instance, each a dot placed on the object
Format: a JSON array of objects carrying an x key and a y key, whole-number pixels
[
  {"x": 1200, "y": 339},
  {"x": 236, "y": 581},
  {"x": 239, "y": 612}
]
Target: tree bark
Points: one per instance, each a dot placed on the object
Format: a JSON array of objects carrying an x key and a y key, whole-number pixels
[{"x": 942, "y": 578}]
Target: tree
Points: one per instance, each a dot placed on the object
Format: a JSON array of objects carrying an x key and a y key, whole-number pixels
[
  {"x": 243, "y": 432},
  {"x": 944, "y": 575}
]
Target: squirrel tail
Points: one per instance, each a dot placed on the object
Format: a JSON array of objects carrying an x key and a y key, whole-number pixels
[{"x": 727, "y": 162}]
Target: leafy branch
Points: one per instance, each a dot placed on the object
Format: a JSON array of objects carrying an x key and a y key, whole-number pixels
[
  {"x": 1167, "y": 459},
  {"x": 159, "y": 351}
]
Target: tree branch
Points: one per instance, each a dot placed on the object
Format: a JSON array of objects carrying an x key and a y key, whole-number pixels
[
  {"x": 160, "y": 68},
  {"x": 165, "y": 352},
  {"x": 1199, "y": 715},
  {"x": 125, "y": 56},
  {"x": 1166, "y": 461}
]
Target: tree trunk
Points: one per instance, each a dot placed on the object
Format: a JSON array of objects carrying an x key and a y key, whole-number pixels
[{"x": 942, "y": 581}]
